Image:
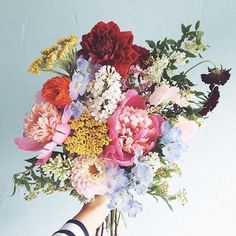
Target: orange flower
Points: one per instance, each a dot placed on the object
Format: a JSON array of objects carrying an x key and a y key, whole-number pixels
[{"x": 56, "y": 91}]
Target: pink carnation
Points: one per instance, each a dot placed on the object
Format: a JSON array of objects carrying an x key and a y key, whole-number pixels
[{"x": 131, "y": 128}]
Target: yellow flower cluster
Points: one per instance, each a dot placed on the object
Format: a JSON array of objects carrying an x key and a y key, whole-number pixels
[
  {"x": 61, "y": 55},
  {"x": 89, "y": 137}
]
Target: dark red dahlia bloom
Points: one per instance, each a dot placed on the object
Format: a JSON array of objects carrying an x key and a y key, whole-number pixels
[
  {"x": 143, "y": 55},
  {"x": 216, "y": 76},
  {"x": 107, "y": 45},
  {"x": 211, "y": 102}
]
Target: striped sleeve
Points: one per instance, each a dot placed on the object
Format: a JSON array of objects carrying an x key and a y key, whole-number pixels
[{"x": 72, "y": 228}]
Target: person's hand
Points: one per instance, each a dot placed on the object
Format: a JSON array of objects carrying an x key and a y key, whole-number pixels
[{"x": 93, "y": 213}]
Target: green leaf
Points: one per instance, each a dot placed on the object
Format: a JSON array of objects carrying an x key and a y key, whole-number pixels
[
  {"x": 183, "y": 28},
  {"x": 27, "y": 185},
  {"x": 15, "y": 186},
  {"x": 151, "y": 43},
  {"x": 170, "y": 41},
  {"x": 32, "y": 160},
  {"x": 167, "y": 202},
  {"x": 189, "y": 54},
  {"x": 197, "y": 25}
]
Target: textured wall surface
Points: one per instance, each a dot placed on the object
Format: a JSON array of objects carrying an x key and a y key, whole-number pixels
[{"x": 209, "y": 165}]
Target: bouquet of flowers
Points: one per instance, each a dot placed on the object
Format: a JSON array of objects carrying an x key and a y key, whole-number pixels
[{"x": 115, "y": 117}]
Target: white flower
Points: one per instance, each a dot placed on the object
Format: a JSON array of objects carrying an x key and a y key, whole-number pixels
[
  {"x": 179, "y": 57},
  {"x": 60, "y": 167},
  {"x": 104, "y": 93},
  {"x": 88, "y": 176},
  {"x": 155, "y": 71},
  {"x": 195, "y": 48},
  {"x": 153, "y": 160}
]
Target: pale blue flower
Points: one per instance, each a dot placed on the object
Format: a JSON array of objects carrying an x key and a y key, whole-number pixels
[
  {"x": 171, "y": 139},
  {"x": 73, "y": 110},
  {"x": 117, "y": 179},
  {"x": 133, "y": 207},
  {"x": 86, "y": 67},
  {"x": 142, "y": 176},
  {"x": 172, "y": 151},
  {"x": 84, "y": 73},
  {"x": 78, "y": 85}
]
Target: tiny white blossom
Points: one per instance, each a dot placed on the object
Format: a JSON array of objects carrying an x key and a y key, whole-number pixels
[
  {"x": 153, "y": 160},
  {"x": 104, "y": 93},
  {"x": 195, "y": 48},
  {"x": 155, "y": 71},
  {"x": 179, "y": 57}
]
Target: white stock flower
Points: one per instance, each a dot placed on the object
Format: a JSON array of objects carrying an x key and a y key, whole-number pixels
[
  {"x": 104, "y": 93},
  {"x": 154, "y": 72},
  {"x": 179, "y": 57}
]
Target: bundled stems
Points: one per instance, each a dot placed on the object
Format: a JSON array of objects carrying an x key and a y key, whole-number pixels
[{"x": 110, "y": 224}]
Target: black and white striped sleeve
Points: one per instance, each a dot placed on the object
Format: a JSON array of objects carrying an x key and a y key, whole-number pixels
[{"x": 72, "y": 228}]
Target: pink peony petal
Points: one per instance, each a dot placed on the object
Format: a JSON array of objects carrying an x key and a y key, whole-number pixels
[
  {"x": 61, "y": 134},
  {"x": 46, "y": 153},
  {"x": 26, "y": 144},
  {"x": 65, "y": 116}
]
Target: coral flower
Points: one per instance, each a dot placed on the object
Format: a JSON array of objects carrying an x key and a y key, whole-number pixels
[
  {"x": 56, "y": 91},
  {"x": 131, "y": 128}
]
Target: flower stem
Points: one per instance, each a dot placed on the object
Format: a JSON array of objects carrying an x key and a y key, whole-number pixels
[
  {"x": 112, "y": 223},
  {"x": 206, "y": 61}
]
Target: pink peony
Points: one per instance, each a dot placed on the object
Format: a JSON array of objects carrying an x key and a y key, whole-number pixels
[
  {"x": 131, "y": 128},
  {"x": 188, "y": 128},
  {"x": 43, "y": 130},
  {"x": 165, "y": 94}
]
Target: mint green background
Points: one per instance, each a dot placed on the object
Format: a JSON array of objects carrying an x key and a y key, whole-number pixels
[{"x": 209, "y": 173}]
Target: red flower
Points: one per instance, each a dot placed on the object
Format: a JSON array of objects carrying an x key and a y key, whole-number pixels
[
  {"x": 143, "y": 55},
  {"x": 107, "y": 45},
  {"x": 56, "y": 91}
]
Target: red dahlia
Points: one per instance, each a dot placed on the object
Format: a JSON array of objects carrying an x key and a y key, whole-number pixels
[
  {"x": 143, "y": 55},
  {"x": 106, "y": 44}
]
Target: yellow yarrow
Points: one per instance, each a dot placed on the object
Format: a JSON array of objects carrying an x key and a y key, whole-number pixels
[
  {"x": 89, "y": 137},
  {"x": 59, "y": 56}
]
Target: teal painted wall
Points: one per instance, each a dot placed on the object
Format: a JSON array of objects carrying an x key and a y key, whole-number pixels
[{"x": 209, "y": 173}]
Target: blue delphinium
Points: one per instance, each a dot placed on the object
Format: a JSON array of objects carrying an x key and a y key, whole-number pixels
[
  {"x": 171, "y": 139},
  {"x": 85, "y": 71},
  {"x": 74, "y": 109},
  {"x": 124, "y": 187}
]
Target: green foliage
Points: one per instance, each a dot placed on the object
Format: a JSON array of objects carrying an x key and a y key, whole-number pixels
[{"x": 36, "y": 180}]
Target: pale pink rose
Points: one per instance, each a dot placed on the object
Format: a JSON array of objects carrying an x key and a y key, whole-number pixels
[
  {"x": 188, "y": 127},
  {"x": 131, "y": 128},
  {"x": 88, "y": 176},
  {"x": 165, "y": 94}
]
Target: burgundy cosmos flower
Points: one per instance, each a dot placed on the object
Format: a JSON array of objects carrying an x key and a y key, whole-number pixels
[
  {"x": 211, "y": 102},
  {"x": 106, "y": 44},
  {"x": 216, "y": 76}
]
